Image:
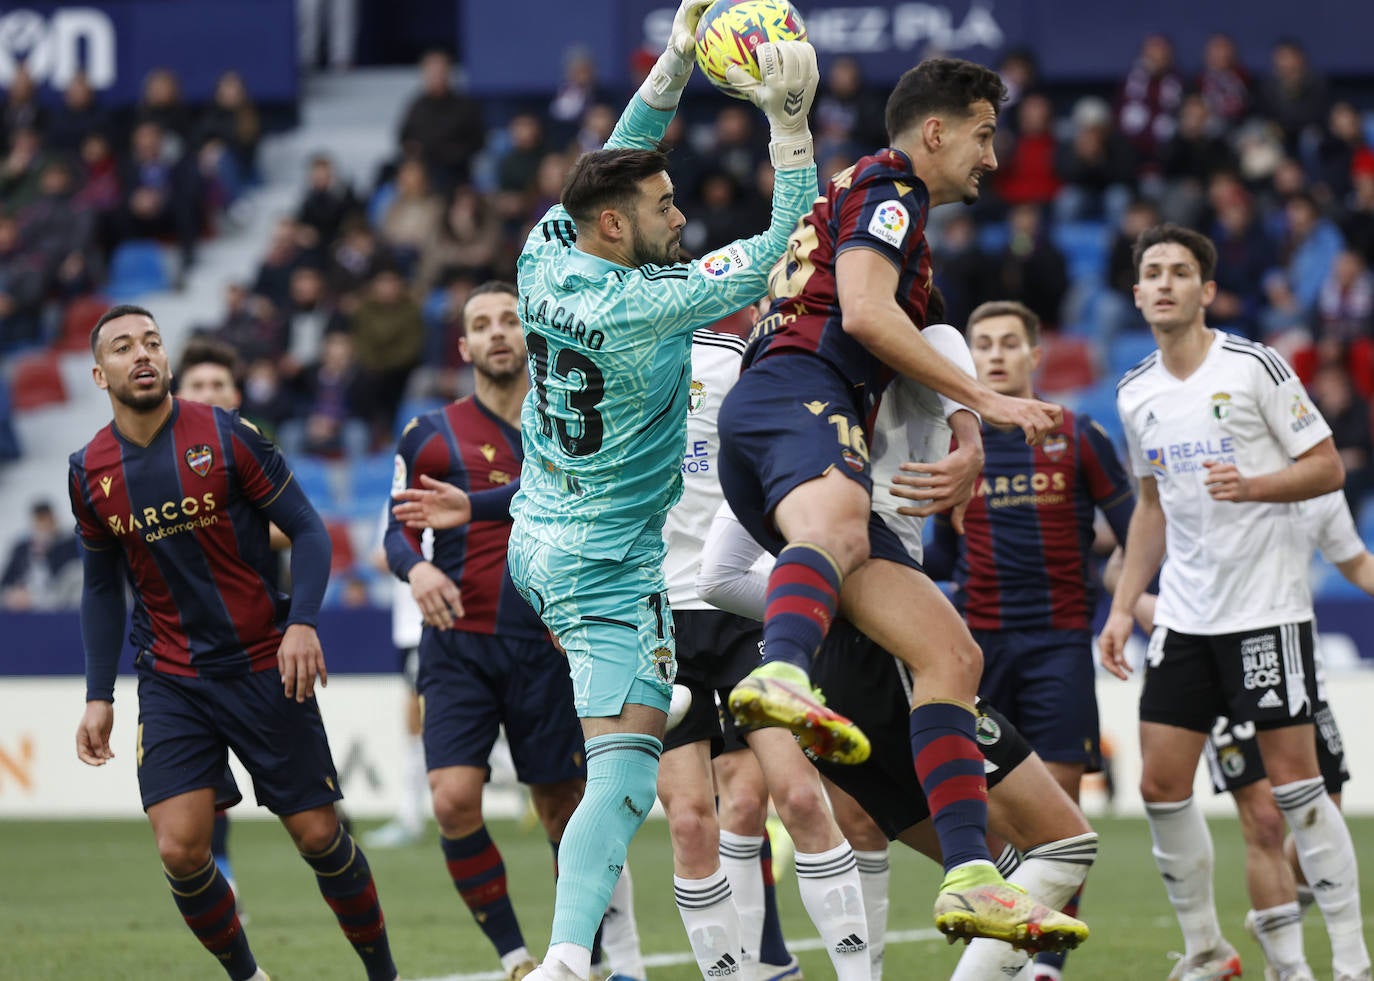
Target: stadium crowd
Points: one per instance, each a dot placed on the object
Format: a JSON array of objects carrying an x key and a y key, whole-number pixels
[{"x": 349, "y": 324}]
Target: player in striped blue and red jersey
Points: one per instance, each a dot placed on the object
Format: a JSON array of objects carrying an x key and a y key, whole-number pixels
[
  {"x": 1024, "y": 562},
  {"x": 850, "y": 298},
  {"x": 485, "y": 657},
  {"x": 176, "y": 498}
]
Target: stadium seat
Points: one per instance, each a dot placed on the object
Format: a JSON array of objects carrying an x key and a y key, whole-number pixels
[
  {"x": 1085, "y": 245},
  {"x": 369, "y": 484},
  {"x": 993, "y": 237},
  {"x": 381, "y": 200},
  {"x": 78, "y": 318},
  {"x": 36, "y": 380},
  {"x": 1067, "y": 364},
  {"x": 317, "y": 479},
  {"x": 1099, "y": 404},
  {"x": 137, "y": 267},
  {"x": 1126, "y": 351},
  {"x": 339, "y": 537}
]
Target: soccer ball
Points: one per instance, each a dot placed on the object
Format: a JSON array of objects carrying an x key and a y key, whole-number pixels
[{"x": 730, "y": 30}]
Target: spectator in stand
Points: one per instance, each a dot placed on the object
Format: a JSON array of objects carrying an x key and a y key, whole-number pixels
[
  {"x": 22, "y": 110},
  {"x": 1097, "y": 166},
  {"x": 577, "y": 93},
  {"x": 848, "y": 117},
  {"x": 161, "y": 103},
  {"x": 335, "y": 22},
  {"x": 1147, "y": 107},
  {"x": 1114, "y": 310},
  {"x": 736, "y": 148},
  {"x": 161, "y": 195},
  {"x": 1293, "y": 95},
  {"x": 1189, "y": 159},
  {"x": 78, "y": 115},
  {"x": 250, "y": 325},
  {"x": 21, "y": 290},
  {"x": 1345, "y": 304},
  {"x": 310, "y": 318},
  {"x": 19, "y": 173},
  {"x": 722, "y": 216},
  {"x": 388, "y": 336},
  {"x": 266, "y": 401},
  {"x": 232, "y": 121},
  {"x": 1027, "y": 173},
  {"x": 547, "y": 189},
  {"x": 60, "y": 231},
  {"x": 1245, "y": 253},
  {"x": 468, "y": 239},
  {"x": 329, "y": 422},
  {"x": 962, "y": 270},
  {"x": 413, "y": 216},
  {"x": 442, "y": 126},
  {"x": 597, "y": 124},
  {"x": 1309, "y": 249},
  {"x": 1019, "y": 72},
  {"x": 1031, "y": 269},
  {"x": 1348, "y": 416},
  {"x": 99, "y": 179},
  {"x": 1341, "y": 151},
  {"x": 285, "y": 252},
  {"x": 42, "y": 572},
  {"x": 519, "y": 165},
  {"x": 1358, "y": 224},
  {"x": 1224, "y": 84},
  {"x": 353, "y": 261},
  {"x": 329, "y": 201}
]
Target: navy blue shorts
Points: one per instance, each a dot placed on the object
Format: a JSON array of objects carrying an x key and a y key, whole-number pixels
[
  {"x": 789, "y": 419},
  {"x": 186, "y": 726},
  {"x": 1044, "y": 681},
  {"x": 866, "y": 683},
  {"x": 471, "y": 684}
]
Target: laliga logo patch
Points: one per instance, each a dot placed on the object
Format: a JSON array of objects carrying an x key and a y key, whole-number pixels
[
  {"x": 889, "y": 223},
  {"x": 1303, "y": 415},
  {"x": 200, "y": 459},
  {"x": 696, "y": 397},
  {"x": 400, "y": 479},
  {"x": 726, "y": 262},
  {"x": 1055, "y": 444}
]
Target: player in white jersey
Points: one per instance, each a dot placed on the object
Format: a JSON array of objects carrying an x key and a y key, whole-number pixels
[
  {"x": 1224, "y": 441},
  {"x": 910, "y": 455},
  {"x": 1236, "y": 768}
]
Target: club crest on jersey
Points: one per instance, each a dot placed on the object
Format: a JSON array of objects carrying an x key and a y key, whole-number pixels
[
  {"x": 200, "y": 459},
  {"x": 852, "y": 460},
  {"x": 1055, "y": 444},
  {"x": 726, "y": 262},
  {"x": 1303, "y": 414},
  {"x": 1221, "y": 405},
  {"x": 889, "y": 223},
  {"x": 1232, "y": 761},
  {"x": 987, "y": 730},
  {"x": 696, "y": 397},
  {"x": 665, "y": 665}
]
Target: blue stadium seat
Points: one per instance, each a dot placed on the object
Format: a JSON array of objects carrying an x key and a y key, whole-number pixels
[
  {"x": 380, "y": 201},
  {"x": 1085, "y": 245},
  {"x": 1126, "y": 350},
  {"x": 317, "y": 479},
  {"x": 369, "y": 484},
  {"x": 136, "y": 267},
  {"x": 993, "y": 237}
]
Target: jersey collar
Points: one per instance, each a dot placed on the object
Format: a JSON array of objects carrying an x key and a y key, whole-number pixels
[{"x": 588, "y": 266}]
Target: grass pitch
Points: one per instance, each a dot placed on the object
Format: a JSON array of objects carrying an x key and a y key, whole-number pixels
[{"x": 86, "y": 900}]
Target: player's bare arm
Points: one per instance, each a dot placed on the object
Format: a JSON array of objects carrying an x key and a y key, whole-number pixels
[
  {"x": 437, "y": 596},
  {"x": 301, "y": 660},
  {"x": 93, "y": 734},
  {"x": 1359, "y": 571},
  {"x": 1145, "y": 606},
  {"x": 945, "y": 485},
  {"x": 435, "y": 505},
  {"x": 867, "y": 285},
  {"x": 1318, "y": 471},
  {"x": 1144, "y": 553}
]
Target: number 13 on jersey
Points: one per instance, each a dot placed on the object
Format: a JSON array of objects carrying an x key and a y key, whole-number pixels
[{"x": 580, "y": 388}]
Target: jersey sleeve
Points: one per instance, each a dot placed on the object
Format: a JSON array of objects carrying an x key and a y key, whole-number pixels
[
  {"x": 947, "y": 340},
  {"x": 419, "y": 451},
  {"x": 728, "y": 279},
  {"x": 93, "y": 535},
  {"x": 1288, "y": 410},
  {"x": 262, "y": 470},
  {"x": 1139, "y": 466},
  {"x": 1104, "y": 476},
  {"x": 1333, "y": 527},
  {"x": 886, "y": 215}
]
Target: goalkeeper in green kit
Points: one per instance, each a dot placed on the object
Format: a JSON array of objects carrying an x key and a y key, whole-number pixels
[{"x": 608, "y": 310}]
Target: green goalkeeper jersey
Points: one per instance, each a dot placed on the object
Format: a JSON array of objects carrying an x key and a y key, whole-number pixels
[{"x": 605, "y": 422}]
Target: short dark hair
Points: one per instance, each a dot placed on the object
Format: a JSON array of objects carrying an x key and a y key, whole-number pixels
[
  {"x": 114, "y": 313},
  {"x": 1007, "y": 308},
  {"x": 1195, "y": 242},
  {"x": 935, "y": 307},
  {"x": 941, "y": 86},
  {"x": 485, "y": 289},
  {"x": 608, "y": 179},
  {"x": 208, "y": 350}
]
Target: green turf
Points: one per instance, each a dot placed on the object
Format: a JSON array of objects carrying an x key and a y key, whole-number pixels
[{"x": 87, "y": 900}]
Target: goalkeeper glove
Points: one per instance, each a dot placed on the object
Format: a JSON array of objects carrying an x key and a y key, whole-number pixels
[
  {"x": 663, "y": 88},
  {"x": 784, "y": 92}
]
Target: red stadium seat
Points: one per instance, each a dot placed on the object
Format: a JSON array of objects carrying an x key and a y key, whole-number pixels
[
  {"x": 36, "y": 380},
  {"x": 342, "y": 541},
  {"x": 77, "y": 321},
  {"x": 1066, "y": 364}
]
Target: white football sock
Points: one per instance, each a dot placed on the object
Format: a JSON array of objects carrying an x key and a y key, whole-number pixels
[
  {"x": 1327, "y": 857},
  {"x": 739, "y": 859},
  {"x": 1278, "y": 931},
  {"x": 830, "y": 891},
  {"x": 620, "y": 931},
  {"x": 1183, "y": 854},
  {"x": 712, "y": 922},
  {"x": 414, "y": 787},
  {"x": 874, "y": 874}
]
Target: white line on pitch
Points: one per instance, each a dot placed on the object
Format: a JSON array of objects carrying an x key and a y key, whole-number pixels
[{"x": 670, "y": 960}]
